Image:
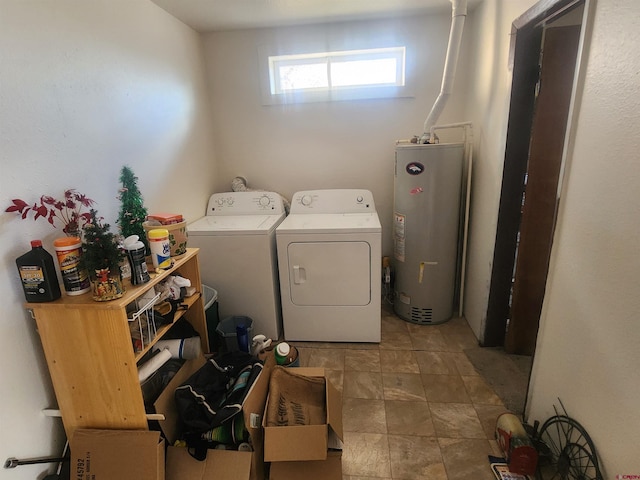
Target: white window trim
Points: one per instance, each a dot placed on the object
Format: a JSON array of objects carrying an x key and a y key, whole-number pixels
[{"x": 402, "y": 88}]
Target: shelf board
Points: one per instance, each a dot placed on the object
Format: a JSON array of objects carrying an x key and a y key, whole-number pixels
[{"x": 132, "y": 292}]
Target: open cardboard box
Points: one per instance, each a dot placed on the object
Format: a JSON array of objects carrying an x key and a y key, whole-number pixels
[
  {"x": 122, "y": 454},
  {"x": 306, "y": 442},
  {"x": 219, "y": 464},
  {"x": 329, "y": 469}
]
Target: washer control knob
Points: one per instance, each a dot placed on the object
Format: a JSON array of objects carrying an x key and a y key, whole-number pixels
[
  {"x": 220, "y": 201},
  {"x": 264, "y": 201},
  {"x": 359, "y": 199},
  {"x": 230, "y": 201},
  {"x": 306, "y": 200}
]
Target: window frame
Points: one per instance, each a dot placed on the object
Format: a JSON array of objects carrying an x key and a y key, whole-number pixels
[
  {"x": 330, "y": 59},
  {"x": 274, "y": 94}
]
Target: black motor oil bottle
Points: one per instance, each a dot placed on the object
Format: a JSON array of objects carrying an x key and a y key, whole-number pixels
[{"x": 38, "y": 274}]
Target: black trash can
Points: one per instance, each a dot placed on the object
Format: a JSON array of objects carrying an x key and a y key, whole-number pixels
[
  {"x": 228, "y": 334},
  {"x": 211, "y": 311}
]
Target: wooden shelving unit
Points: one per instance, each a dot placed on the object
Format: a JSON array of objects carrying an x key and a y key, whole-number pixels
[{"x": 91, "y": 359}]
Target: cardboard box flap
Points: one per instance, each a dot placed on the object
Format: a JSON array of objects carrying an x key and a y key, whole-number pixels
[
  {"x": 121, "y": 454},
  {"x": 253, "y": 411},
  {"x": 219, "y": 465},
  {"x": 334, "y": 406},
  {"x": 310, "y": 371},
  {"x": 334, "y": 416},
  {"x": 329, "y": 469},
  {"x": 166, "y": 405},
  {"x": 254, "y": 403},
  {"x": 289, "y": 443},
  {"x": 307, "y": 442}
]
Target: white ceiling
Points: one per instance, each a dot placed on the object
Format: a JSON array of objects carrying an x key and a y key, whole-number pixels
[{"x": 216, "y": 15}]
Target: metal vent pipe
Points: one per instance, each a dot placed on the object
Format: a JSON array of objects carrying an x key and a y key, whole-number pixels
[{"x": 458, "y": 16}]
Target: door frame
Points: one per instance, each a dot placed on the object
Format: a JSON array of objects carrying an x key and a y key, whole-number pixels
[{"x": 524, "y": 58}]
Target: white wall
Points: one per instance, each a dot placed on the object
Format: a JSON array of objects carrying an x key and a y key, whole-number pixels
[
  {"x": 350, "y": 144},
  {"x": 587, "y": 352},
  {"x": 85, "y": 88}
]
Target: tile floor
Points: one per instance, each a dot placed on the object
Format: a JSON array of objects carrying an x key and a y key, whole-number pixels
[{"x": 414, "y": 407}]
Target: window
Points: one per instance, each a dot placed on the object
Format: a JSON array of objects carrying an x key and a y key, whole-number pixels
[{"x": 339, "y": 75}]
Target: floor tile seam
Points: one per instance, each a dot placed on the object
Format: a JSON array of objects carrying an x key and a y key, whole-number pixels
[
  {"x": 480, "y": 404},
  {"x": 446, "y": 468},
  {"x": 435, "y": 350},
  {"x": 417, "y": 436},
  {"x": 449, "y": 403},
  {"x": 388, "y": 455},
  {"x": 408, "y": 435},
  {"x": 453, "y": 403},
  {"x": 447, "y": 374},
  {"x": 486, "y": 436},
  {"x": 475, "y": 402}
]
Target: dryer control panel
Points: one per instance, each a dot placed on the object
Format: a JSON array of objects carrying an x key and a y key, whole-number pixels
[
  {"x": 333, "y": 201},
  {"x": 245, "y": 203}
]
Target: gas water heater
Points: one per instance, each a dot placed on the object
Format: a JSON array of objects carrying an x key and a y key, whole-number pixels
[{"x": 426, "y": 210}]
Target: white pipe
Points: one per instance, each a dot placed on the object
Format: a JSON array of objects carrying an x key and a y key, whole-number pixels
[
  {"x": 449, "y": 125},
  {"x": 458, "y": 15}
]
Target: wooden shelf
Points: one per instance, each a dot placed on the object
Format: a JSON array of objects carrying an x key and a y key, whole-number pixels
[
  {"x": 90, "y": 355},
  {"x": 132, "y": 292},
  {"x": 189, "y": 302}
]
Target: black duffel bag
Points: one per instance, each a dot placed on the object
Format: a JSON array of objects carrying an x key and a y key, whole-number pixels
[{"x": 214, "y": 394}]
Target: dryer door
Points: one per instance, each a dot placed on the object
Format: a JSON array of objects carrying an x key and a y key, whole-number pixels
[{"x": 330, "y": 273}]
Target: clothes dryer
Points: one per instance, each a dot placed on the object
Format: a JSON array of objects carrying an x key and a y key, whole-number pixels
[
  {"x": 329, "y": 258},
  {"x": 238, "y": 257}
]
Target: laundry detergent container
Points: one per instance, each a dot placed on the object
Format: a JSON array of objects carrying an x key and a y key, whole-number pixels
[{"x": 227, "y": 330}]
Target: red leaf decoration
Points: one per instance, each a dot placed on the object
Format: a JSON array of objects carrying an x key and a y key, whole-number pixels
[
  {"x": 69, "y": 209},
  {"x": 18, "y": 205},
  {"x": 41, "y": 211},
  {"x": 87, "y": 202}
]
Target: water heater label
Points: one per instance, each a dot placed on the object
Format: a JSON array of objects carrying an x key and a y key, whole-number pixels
[
  {"x": 398, "y": 236},
  {"x": 414, "y": 168}
]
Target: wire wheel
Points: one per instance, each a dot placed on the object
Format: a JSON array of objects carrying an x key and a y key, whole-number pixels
[{"x": 566, "y": 451}]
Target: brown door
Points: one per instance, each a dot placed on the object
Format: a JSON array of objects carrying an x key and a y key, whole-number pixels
[{"x": 559, "y": 51}]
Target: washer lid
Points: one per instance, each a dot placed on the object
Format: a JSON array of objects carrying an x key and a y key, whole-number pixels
[
  {"x": 234, "y": 225},
  {"x": 330, "y": 223}
]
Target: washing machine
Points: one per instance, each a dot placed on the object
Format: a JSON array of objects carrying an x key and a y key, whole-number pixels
[
  {"x": 329, "y": 259},
  {"x": 237, "y": 241}
]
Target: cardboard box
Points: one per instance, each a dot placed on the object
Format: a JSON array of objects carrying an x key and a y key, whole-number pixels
[
  {"x": 219, "y": 465},
  {"x": 166, "y": 218},
  {"x": 122, "y": 454},
  {"x": 307, "y": 442},
  {"x": 253, "y": 411},
  {"x": 329, "y": 469}
]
